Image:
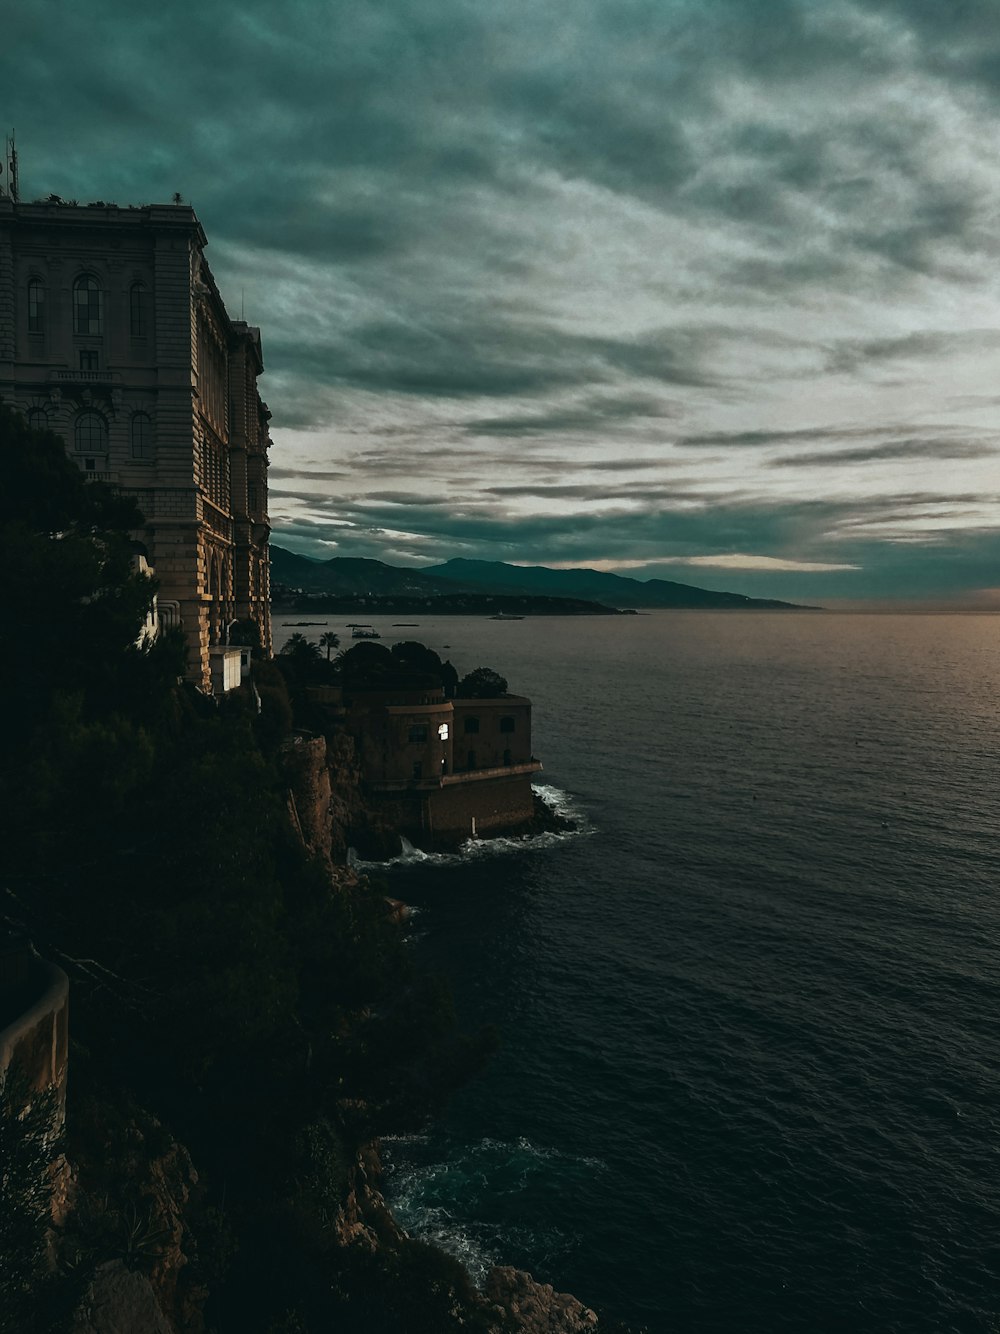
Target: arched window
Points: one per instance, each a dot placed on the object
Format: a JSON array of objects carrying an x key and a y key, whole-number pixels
[
  {"x": 38, "y": 419},
  {"x": 36, "y": 306},
  {"x": 507, "y": 724},
  {"x": 88, "y": 306},
  {"x": 90, "y": 434},
  {"x": 142, "y": 436},
  {"x": 138, "y": 313}
]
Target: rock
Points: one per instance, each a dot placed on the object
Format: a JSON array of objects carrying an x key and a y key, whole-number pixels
[
  {"x": 119, "y": 1301},
  {"x": 537, "y": 1308}
]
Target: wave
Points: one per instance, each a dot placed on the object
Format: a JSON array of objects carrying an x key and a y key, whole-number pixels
[
  {"x": 559, "y": 802},
  {"x": 446, "y": 1196}
]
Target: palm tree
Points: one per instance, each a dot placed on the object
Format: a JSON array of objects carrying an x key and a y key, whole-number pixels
[
  {"x": 329, "y": 641},
  {"x": 300, "y": 649}
]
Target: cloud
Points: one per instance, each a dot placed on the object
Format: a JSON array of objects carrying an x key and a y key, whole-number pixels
[
  {"x": 742, "y": 561},
  {"x": 624, "y": 281},
  {"x": 886, "y": 451}
]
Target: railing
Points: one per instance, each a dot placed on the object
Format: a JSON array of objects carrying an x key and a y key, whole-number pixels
[{"x": 86, "y": 377}]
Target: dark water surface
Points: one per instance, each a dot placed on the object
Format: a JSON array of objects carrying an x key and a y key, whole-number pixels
[{"x": 750, "y": 1077}]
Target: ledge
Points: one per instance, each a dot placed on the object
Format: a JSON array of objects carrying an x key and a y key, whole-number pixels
[{"x": 454, "y": 780}]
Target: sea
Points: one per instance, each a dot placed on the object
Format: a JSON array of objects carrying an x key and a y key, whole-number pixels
[{"x": 749, "y": 1009}]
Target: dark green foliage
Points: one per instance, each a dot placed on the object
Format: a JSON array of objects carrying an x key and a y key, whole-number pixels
[
  {"x": 74, "y": 607},
  {"x": 414, "y": 657},
  {"x": 483, "y": 683},
  {"x": 302, "y": 651},
  {"x": 365, "y": 663},
  {"x": 29, "y": 1144}
]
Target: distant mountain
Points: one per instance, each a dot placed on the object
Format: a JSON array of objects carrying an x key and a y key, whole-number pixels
[
  {"x": 614, "y": 590},
  {"x": 343, "y": 575}
]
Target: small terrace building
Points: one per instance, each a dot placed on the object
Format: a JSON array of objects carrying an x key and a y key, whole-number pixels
[{"x": 443, "y": 770}]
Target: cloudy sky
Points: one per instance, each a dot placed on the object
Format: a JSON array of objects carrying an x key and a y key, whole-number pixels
[{"x": 701, "y": 288}]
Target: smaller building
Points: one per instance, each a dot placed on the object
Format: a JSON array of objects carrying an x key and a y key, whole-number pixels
[{"x": 442, "y": 770}]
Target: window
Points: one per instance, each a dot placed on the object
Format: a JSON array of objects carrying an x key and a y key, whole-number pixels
[
  {"x": 443, "y": 731},
  {"x": 418, "y": 770},
  {"x": 418, "y": 732},
  {"x": 88, "y": 360},
  {"x": 507, "y": 724},
  {"x": 471, "y": 725},
  {"x": 36, "y": 306},
  {"x": 88, "y": 306},
  {"x": 252, "y": 499},
  {"x": 90, "y": 434},
  {"x": 138, "y": 314},
  {"x": 142, "y": 436},
  {"x": 38, "y": 419},
  {"x": 470, "y": 760}
]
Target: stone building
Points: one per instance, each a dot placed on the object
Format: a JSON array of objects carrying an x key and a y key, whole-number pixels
[
  {"x": 114, "y": 335},
  {"x": 442, "y": 770}
]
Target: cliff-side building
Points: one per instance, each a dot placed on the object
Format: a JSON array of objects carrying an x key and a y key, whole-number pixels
[
  {"x": 442, "y": 770},
  {"x": 114, "y": 335}
]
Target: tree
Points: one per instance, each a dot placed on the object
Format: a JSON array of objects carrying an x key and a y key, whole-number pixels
[
  {"x": 483, "y": 683},
  {"x": 74, "y": 606},
  {"x": 303, "y": 652},
  {"x": 412, "y": 656},
  {"x": 329, "y": 641}
]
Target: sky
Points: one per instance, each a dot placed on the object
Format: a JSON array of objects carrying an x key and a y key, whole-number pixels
[{"x": 701, "y": 289}]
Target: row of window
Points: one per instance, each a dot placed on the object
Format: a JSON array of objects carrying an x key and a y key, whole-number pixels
[
  {"x": 90, "y": 432},
  {"x": 418, "y": 732},
  {"x": 88, "y": 307}
]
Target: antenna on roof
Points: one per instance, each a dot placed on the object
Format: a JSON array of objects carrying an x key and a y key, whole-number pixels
[{"x": 10, "y": 157}]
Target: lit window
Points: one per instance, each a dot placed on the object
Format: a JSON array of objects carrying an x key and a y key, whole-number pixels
[
  {"x": 36, "y": 306},
  {"x": 137, "y": 312},
  {"x": 443, "y": 731},
  {"x": 88, "y": 306},
  {"x": 90, "y": 433},
  {"x": 506, "y": 724},
  {"x": 142, "y": 436}
]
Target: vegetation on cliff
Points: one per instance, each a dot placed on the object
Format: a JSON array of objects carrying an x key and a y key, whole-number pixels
[{"x": 226, "y": 993}]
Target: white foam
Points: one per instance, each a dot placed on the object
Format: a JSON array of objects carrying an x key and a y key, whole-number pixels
[
  {"x": 559, "y": 802},
  {"x": 430, "y": 1199}
]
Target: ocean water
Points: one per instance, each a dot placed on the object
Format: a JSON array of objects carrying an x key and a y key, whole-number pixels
[{"x": 750, "y": 1072}]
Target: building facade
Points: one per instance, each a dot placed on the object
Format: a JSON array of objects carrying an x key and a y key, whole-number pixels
[
  {"x": 113, "y": 334},
  {"x": 443, "y": 770}
]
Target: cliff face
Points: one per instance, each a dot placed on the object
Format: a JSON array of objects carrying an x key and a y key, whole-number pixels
[
  {"x": 132, "y": 1190},
  {"x": 326, "y": 800}
]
